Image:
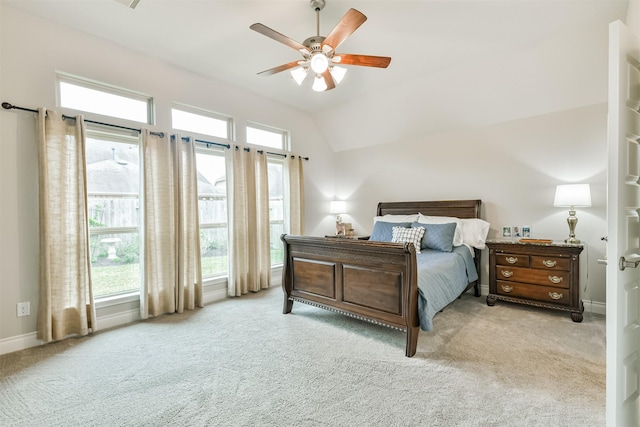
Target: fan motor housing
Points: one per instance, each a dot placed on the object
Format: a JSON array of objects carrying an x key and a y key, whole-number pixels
[
  {"x": 314, "y": 43},
  {"x": 317, "y": 4}
]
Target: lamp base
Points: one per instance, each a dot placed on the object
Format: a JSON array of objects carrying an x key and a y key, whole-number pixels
[{"x": 572, "y": 221}]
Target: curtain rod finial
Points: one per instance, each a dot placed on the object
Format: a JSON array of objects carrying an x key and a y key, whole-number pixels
[{"x": 7, "y": 106}]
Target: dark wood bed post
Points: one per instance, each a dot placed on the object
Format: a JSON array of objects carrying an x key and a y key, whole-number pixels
[
  {"x": 413, "y": 321},
  {"x": 287, "y": 283}
]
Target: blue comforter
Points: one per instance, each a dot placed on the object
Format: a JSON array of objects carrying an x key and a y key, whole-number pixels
[{"x": 442, "y": 276}]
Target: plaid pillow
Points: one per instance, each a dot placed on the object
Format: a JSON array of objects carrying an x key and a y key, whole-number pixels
[{"x": 408, "y": 235}]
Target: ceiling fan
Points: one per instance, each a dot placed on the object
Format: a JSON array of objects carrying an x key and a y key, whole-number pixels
[{"x": 319, "y": 53}]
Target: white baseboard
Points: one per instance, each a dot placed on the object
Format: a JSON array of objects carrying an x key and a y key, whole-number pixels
[{"x": 19, "y": 342}]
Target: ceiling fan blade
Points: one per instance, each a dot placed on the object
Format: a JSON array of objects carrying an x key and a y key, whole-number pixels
[
  {"x": 328, "y": 79},
  {"x": 273, "y": 34},
  {"x": 279, "y": 69},
  {"x": 347, "y": 25},
  {"x": 363, "y": 60}
]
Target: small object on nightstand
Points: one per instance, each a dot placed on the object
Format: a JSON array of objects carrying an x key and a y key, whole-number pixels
[
  {"x": 537, "y": 274},
  {"x": 543, "y": 241},
  {"x": 352, "y": 237}
]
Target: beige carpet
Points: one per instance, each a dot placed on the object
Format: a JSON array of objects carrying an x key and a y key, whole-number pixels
[{"x": 241, "y": 362}]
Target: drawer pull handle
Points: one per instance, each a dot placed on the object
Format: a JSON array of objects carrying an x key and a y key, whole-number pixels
[
  {"x": 555, "y": 279},
  {"x": 555, "y": 295},
  {"x": 507, "y": 288},
  {"x": 511, "y": 259},
  {"x": 506, "y": 273},
  {"x": 549, "y": 263}
]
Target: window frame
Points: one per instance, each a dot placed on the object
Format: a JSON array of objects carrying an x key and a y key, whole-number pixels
[
  {"x": 108, "y": 89},
  {"x": 204, "y": 149},
  {"x": 208, "y": 114},
  {"x": 106, "y": 133},
  {"x": 280, "y": 159},
  {"x": 282, "y": 132}
]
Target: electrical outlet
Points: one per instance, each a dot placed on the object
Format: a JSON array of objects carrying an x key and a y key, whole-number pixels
[{"x": 23, "y": 308}]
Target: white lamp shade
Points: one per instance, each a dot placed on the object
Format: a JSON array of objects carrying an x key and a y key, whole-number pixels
[
  {"x": 319, "y": 63},
  {"x": 573, "y": 195},
  {"x": 338, "y": 207},
  {"x": 319, "y": 85},
  {"x": 338, "y": 73},
  {"x": 299, "y": 74}
]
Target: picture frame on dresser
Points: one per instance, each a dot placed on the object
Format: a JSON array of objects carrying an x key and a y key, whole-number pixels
[{"x": 545, "y": 275}]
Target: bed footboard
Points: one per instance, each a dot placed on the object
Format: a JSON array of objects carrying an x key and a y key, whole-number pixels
[{"x": 372, "y": 281}]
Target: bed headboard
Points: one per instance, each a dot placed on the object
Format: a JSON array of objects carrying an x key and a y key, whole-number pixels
[{"x": 455, "y": 208}]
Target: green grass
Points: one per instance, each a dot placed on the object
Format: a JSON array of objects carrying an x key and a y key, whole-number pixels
[{"x": 121, "y": 278}]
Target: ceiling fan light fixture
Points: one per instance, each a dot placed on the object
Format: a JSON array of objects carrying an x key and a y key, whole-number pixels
[
  {"x": 319, "y": 85},
  {"x": 338, "y": 73},
  {"x": 299, "y": 74},
  {"x": 319, "y": 63}
]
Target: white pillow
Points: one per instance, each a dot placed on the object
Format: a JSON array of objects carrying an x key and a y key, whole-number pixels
[
  {"x": 408, "y": 235},
  {"x": 396, "y": 218},
  {"x": 474, "y": 232},
  {"x": 457, "y": 235}
]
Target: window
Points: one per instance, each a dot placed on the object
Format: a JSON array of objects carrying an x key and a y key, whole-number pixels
[
  {"x": 201, "y": 121},
  {"x": 84, "y": 95},
  {"x": 113, "y": 187},
  {"x": 275, "y": 165},
  {"x": 212, "y": 211},
  {"x": 266, "y": 136}
]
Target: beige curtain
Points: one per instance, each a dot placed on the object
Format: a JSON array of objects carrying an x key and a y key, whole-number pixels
[
  {"x": 296, "y": 195},
  {"x": 66, "y": 298},
  {"x": 250, "y": 257},
  {"x": 189, "y": 275},
  {"x": 172, "y": 279},
  {"x": 159, "y": 225}
]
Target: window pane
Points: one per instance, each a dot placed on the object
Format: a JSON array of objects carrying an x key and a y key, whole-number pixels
[
  {"x": 199, "y": 123},
  {"x": 266, "y": 138},
  {"x": 212, "y": 211},
  {"x": 276, "y": 209},
  {"x": 213, "y": 246},
  {"x": 115, "y": 263},
  {"x": 104, "y": 102},
  {"x": 113, "y": 182}
]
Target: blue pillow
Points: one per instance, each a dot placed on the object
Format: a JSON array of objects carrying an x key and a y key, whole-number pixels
[
  {"x": 382, "y": 231},
  {"x": 437, "y": 236}
]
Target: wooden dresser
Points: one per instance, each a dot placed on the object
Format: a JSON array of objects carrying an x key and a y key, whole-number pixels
[{"x": 541, "y": 275}]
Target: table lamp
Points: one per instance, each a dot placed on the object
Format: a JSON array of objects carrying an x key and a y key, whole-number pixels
[
  {"x": 572, "y": 196},
  {"x": 338, "y": 207}
]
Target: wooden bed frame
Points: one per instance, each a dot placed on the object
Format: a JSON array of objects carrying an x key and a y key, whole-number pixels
[{"x": 372, "y": 281}]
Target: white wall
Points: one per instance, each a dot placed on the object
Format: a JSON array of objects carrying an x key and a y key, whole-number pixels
[
  {"x": 633, "y": 16},
  {"x": 513, "y": 167},
  {"x": 31, "y": 51}
]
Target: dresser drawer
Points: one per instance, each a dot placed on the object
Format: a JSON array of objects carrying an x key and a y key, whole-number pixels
[
  {"x": 533, "y": 292},
  {"x": 516, "y": 260},
  {"x": 559, "y": 279},
  {"x": 550, "y": 263}
]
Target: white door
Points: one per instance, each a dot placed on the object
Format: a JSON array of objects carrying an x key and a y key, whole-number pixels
[{"x": 623, "y": 204}]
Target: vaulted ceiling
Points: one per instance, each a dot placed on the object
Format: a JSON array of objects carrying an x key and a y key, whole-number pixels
[{"x": 455, "y": 63}]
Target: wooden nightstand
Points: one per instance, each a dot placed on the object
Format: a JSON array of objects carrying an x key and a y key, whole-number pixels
[{"x": 541, "y": 275}]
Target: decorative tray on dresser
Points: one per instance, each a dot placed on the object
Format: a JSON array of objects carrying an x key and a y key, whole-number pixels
[{"x": 538, "y": 274}]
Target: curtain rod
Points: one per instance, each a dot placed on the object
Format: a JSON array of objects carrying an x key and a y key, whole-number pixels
[
  {"x": 207, "y": 143},
  {"x": 247, "y": 149},
  {"x": 8, "y": 106}
]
